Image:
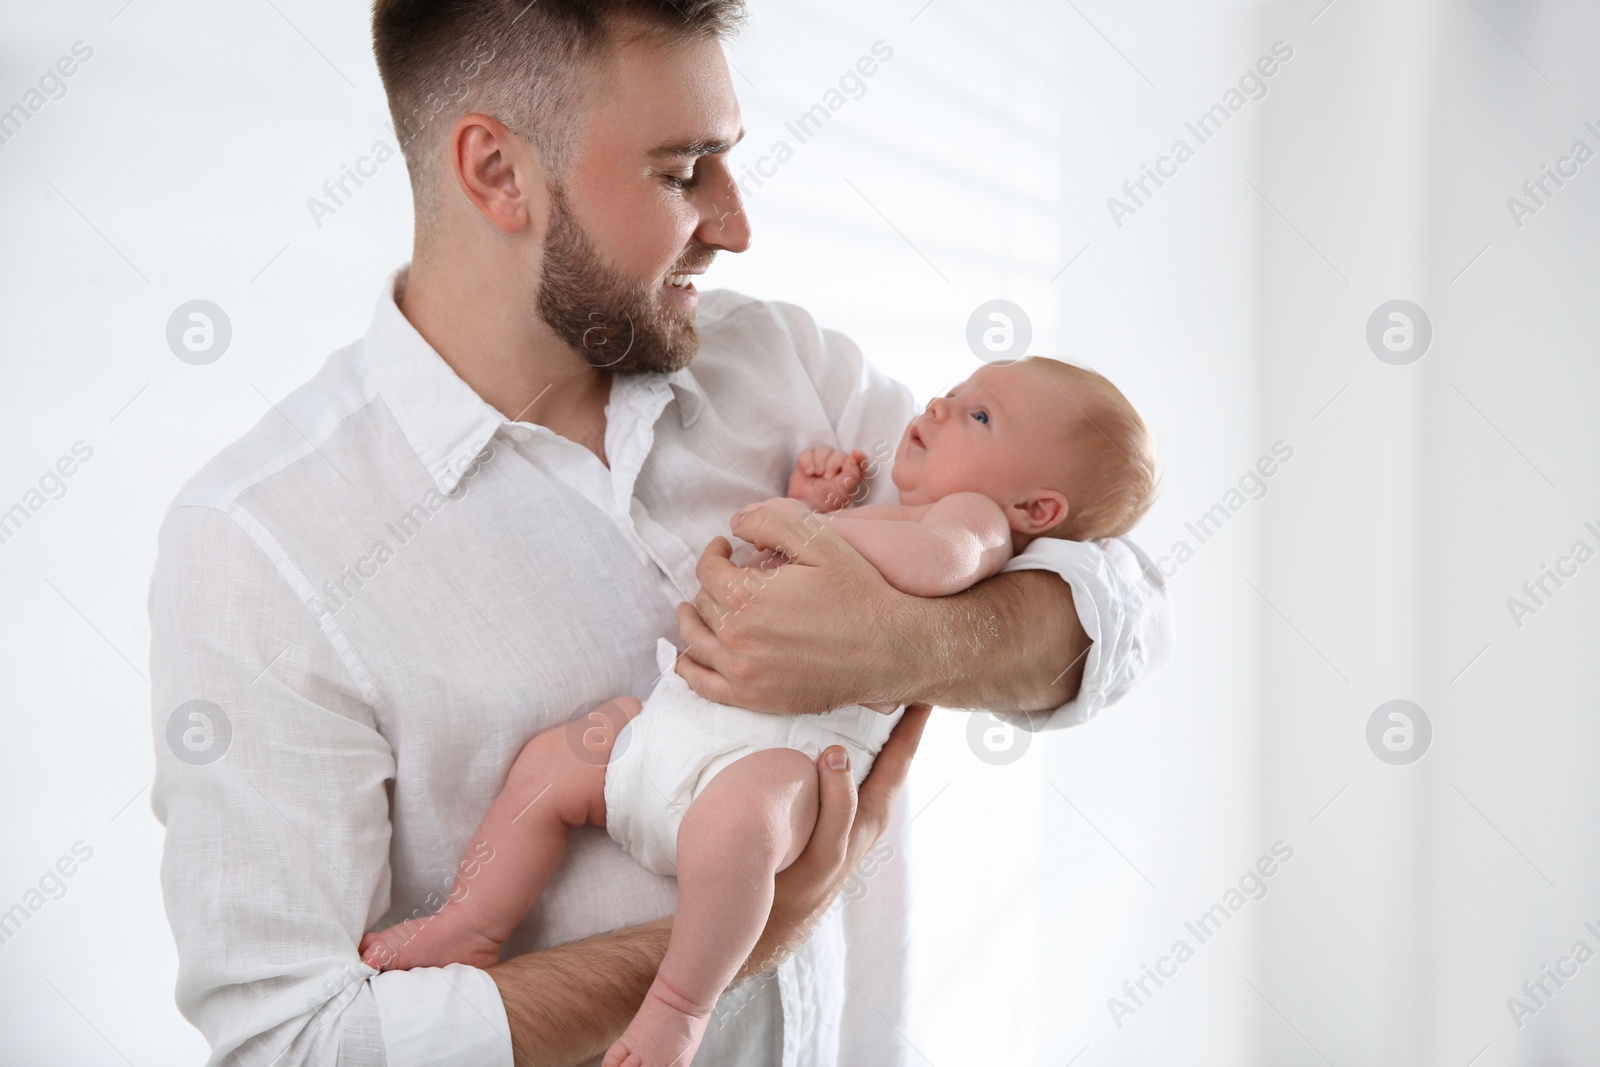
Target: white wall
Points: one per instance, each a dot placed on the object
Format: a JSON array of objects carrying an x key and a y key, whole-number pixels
[
  {"x": 1430, "y": 493},
  {"x": 1346, "y": 164},
  {"x": 977, "y": 163},
  {"x": 1514, "y": 487}
]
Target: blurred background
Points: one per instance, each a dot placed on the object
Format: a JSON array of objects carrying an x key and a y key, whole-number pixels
[{"x": 1370, "y": 270}]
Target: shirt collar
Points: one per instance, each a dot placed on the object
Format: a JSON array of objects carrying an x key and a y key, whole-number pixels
[
  {"x": 446, "y": 423},
  {"x": 688, "y": 395}
]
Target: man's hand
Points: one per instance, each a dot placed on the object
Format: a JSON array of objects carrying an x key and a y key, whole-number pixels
[
  {"x": 801, "y": 638},
  {"x": 828, "y": 630},
  {"x": 827, "y": 479},
  {"x": 848, "y": 826}
]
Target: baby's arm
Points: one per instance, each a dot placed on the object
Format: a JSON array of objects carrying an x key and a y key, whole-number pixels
[{"x": 932, "y": 550}]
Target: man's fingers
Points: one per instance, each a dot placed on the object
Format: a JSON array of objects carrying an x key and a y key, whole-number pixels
[
  {"x": 705, "y": 681},
  {"x": 716, "y": 568},
  {"x": 717, "y": 546},
  {"x": 830, "y": 840},
  {"x": 702, "y": 654},
  {"x": 894, "y": 761},
  {"x": 802, "y": 539},
  {"x": 698, "y": 638},
  {"x": 725, "y": 587}
]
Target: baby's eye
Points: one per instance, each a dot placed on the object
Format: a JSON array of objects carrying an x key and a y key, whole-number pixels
[{"x": 981, "y": 416}]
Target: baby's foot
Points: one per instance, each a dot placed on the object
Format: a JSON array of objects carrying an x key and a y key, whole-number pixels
[
  {"x": 665, "y": 1033},
  {"x": 430, "y": 941}
]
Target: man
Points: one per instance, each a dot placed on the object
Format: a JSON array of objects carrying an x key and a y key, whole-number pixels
[{"x": 474, "y": 523}]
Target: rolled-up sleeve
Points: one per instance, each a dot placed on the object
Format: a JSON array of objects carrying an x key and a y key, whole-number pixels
[
  {"x": 1121, "y": 601},
  {"x": 272, "y": 783}
]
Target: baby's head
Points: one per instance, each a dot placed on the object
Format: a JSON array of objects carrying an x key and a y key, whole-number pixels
[{"x": 1057, "y": 446}]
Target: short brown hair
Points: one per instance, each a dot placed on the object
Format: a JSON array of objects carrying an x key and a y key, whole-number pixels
[
  {"x": 1113, "y": 460},
  {"x": 522, "y": 61}
]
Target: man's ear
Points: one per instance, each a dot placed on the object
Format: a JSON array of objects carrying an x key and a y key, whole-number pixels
[
  {"x": 498, "y": 172},
  {"x": 1039, "y": 510}
]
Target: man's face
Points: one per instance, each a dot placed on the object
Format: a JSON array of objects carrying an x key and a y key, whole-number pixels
[{"x": 646, "y": 202}]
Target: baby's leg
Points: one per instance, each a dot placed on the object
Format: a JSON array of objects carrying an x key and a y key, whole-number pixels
[
  {"x": 552, "y": 787},
  {"x": 753, "y": 820}
]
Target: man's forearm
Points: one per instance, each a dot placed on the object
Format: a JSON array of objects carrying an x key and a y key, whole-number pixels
[
  {"x": 829, "y": 630},
  {"x": 1012, "y": 642},
  {"x": 567, "y": 1004}
]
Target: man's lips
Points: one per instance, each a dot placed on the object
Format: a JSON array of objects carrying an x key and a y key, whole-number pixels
[{"x": 678, "y": 290}]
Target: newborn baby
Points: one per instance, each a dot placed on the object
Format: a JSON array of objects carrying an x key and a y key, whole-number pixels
[{"x": 725, "y": 797}]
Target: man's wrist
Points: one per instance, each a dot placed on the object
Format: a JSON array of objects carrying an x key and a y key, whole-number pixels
[
  {"x": 1010, "y": 643},
  {"x": 915, "y": 648},
  {"x": 568, "y": 1003}
]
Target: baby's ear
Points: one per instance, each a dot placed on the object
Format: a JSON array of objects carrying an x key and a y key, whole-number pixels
[{"x": 1040, "y": 510}]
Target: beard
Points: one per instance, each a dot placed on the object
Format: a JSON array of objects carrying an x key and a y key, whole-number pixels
[{"x": 615, "y": 323}]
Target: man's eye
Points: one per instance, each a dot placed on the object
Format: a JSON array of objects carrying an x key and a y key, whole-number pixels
[
  {"x": 681, "y": 181},
  {"x": 981, "y": 416}
]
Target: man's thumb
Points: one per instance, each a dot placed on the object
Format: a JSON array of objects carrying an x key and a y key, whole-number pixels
[{"x": 837, "y": 811}]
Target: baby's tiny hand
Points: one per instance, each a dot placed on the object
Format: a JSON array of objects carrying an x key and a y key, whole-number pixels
[{"x": 826, "y": 478}]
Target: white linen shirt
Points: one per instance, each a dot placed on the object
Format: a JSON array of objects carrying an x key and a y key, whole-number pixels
[{"x": 385, "y": 588}]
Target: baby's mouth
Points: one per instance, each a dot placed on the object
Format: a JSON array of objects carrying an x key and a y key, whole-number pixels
[{"x": 916, "y": 437}]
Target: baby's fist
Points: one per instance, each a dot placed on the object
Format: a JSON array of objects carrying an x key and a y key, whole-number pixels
[{"x": 826, "y": 478}]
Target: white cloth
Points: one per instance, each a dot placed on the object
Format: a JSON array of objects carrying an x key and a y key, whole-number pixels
[
  {"x": 667, "y": 754},
  {"x": 386, "y": 588}
]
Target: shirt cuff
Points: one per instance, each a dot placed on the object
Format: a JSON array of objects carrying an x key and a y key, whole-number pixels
[
  {"x": 1121, "y": 602},
  {"x": 442, "y": 1017}
]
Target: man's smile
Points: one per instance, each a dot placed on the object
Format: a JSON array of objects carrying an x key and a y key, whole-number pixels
[{"x": 680, "y": 290}]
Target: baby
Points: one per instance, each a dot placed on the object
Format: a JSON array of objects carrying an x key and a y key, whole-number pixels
[{"x": 725, "y": 797}]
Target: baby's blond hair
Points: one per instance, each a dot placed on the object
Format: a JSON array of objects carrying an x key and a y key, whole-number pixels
[{"x": 1113, "y": 461}]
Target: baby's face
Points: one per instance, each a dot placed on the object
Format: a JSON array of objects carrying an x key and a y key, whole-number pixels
[{"x": 1001, "y": 433}]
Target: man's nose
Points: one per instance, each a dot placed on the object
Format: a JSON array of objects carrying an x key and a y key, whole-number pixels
[{"x": 723, "y": 222}]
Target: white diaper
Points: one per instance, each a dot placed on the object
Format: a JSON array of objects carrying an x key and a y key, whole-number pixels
[{"x": 672, "y": 749}]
